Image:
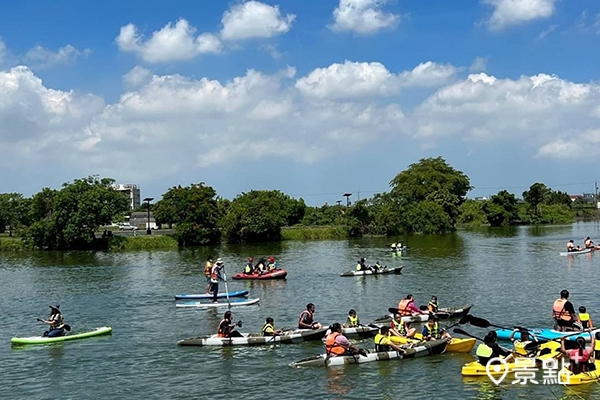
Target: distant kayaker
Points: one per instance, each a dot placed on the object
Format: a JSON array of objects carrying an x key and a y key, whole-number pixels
[
  {"x": 407, "y": 306},
  {"x": 588, "y": 243},
  {"x": 400, "y": 328},
  {"x": 56, "y": 322},
  {"x": 207, "y": 270},
  {"x": 336, "y": 344},
  {"x": 361, "y": 265},
  {"x": 215, "y": 276},
  {"x": 571, "y": 246},
  {"x": 261, "y": 266},
  {"x": 489, "y": 349},
  {"x": 272, "y": 265},
  {"x": 269, "y": 328},
  {"x": 432, "y": 306},
  {"x": 249, "y": 268},
  {"x": 377, "y": 266},
  {"x": 563, "y": 313},
  {"x": 584, "y": 319},
  {"x": 227, "y": 328},
  {"x": 432, "y": 331},
  {"x": 305, "y": 321},
  {"x": 581, "y": 356},
  {"x": 352, "y": 321},
  {"x": 383, "y": 342}
]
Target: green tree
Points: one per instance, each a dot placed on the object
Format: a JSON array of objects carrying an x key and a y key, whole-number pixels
[
  {"x": 13, "y": 212},
  {"x": 195, "y": 212},
  {"x": 426, "y": 217},
  {"x": 471, "y": 213},
  {"x": 501, "y": 209},
  {"x": 257, "y": 216},
  {"x": 432, "y": 180},
  {"x": 69, "y": 218},
  {"x": 537, "y": 194}
]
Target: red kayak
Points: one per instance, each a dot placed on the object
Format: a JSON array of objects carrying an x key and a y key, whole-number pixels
[{"x": 276, "y": 274}]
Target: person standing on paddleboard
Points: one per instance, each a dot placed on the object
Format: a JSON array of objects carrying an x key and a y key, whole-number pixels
[
  {"x": 215, "y": 275},
  {"x": 56, "y": 322}
]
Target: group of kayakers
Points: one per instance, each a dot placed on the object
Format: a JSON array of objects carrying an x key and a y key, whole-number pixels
[
  {"x": 565, "y": 317},
  {"x": 587, "y": 244},
  {"x": 361, "y": 265},
  {"x": 262, "y": 266}
]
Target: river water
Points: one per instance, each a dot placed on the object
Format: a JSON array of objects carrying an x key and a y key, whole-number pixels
[{"x": 511, "y": 275}]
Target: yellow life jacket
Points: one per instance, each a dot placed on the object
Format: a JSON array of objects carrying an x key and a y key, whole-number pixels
[
  {"x": 378, "y": 339},
  {"x": 353, "y": 320},
  {"x": 268, "y": 330},
  {"x": 483, "y": 350},
  {"x": 584, "y": 319}
]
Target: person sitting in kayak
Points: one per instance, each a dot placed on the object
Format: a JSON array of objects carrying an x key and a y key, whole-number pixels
[
  {"x": 305, "y": 321},
  {"x": 588, "y": 243},
  {"x": 520, "y": 338},
  {"x": 581, "y": 356},
  {"x": 336, "y": 344},
  {"x": 407, "y": 306},
  {"x": 383, "y": 342},
  {"x": 56, "y": 322},
  {"x": 249, "y": 268},
  {"x": 377, "y": 266},
  {"x": 352, "y": 321},
  {"x": 489, "y": 349},
  {"x": 272, "y": 265},
  {"x": 401, "y": 328},
  {"x": 269, "y": 328},
  {"x": 584, "y": 319},
  {"x": 563, "y": 313},
  {"x": 361, "y": 265},
  {"x": 432, "y": 306},
  {"x": 261, "y": 266},
  {"x": 432, "y": 331},
  {"x": 226, "y": 328},
  {"x": 393, "y": 246},
  {"x": 571, "y": 246},
  {"x": 207, "y": 270}
]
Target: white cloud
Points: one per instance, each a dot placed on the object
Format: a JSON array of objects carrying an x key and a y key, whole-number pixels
[
  {"x": 171, "y": 43},
  {"x": 137, "y": 77},
  {"x": 509, "y": 13},
  {"x": 254, "y": 19},
  {"x": 479, "y": 64},
  {"x": 547, "y": 31},
  {"x": 360, "y": 79},
  {"x": 362, "y": 17},
  {"x": 41, "y": 57}
]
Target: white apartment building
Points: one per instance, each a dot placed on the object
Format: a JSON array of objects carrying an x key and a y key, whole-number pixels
[{"x": 132, "y": 191}]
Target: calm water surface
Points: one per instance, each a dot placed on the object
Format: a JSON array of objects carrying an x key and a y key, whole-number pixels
[{"x": 511, "y": 275}]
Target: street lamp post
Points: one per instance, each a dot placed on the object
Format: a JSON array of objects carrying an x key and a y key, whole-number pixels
[
  {"x": 148, "y": 230},
  {"x": 347, "y": 196}
]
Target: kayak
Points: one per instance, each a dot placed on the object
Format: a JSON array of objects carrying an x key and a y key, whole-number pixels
[
  {"x": 550, "y": 334},
  {"x": 360, "y": 331},
  {"x": 455, "y": 345},
  {"x": 417, "y": 350},
  {"x": 233, "y": 303},
  {"x": 384, "y": 270},
  {"x": 443, "y": 313},
  {"x": 104, "y": 330},
  {"x": 574, "y": 253},
  {"x": 474, "y": 368},
  {"x": 276, "y": 274},
  {"x": 398, "y": 249},
  {"x": 239, "y": 293},
  {"x": 257, "y": 339},
  {"x": 566, "y": 377}
]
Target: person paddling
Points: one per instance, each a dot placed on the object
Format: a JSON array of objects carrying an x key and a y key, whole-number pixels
[
  {"x": 305, "y": 321},
  {"x": 269, "y": 328},
  {"x": 215, "y": 276},
  {"x": 383, "y": 342},
  {"x": 226, "y": 328},
  {"x": 571, "y": 246},
  {"x": 55, "y": 321},
  {"x": 432, "y": 331},
  {"x": 336, "y": 344},
  {"x": 489, "y": 349},
  {"x": 581, "y": 356},
  {"x": 407, "y": 306}
]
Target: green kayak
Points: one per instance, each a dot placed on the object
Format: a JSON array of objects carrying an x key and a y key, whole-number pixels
[{"x": 105, "y": 330}]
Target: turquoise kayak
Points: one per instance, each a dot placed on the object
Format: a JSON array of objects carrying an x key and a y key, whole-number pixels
[
  {"x": 239, "y": 293},
  {"x": 105, "y": 330},
  {"x": 550, "y": 334}
]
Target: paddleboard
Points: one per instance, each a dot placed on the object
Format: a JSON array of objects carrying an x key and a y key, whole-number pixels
[
  {"x": 234, "y": 303},
  {"x": 105, "y": 330},
  {"x": 574, "y": 253},
  {"x": 204, "y": 296}
]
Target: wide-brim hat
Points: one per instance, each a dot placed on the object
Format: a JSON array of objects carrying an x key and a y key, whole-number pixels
[{"x": 56, "y": 307}]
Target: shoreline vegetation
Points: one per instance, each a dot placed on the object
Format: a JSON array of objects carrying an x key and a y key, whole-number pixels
[{"x": 429, "y": 197}]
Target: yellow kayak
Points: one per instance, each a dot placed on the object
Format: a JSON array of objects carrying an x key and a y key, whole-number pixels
[
  {"x": 474, "y": 368},
  {"x": 566, "y": 377},
  {"x": 455, "y": 345}
]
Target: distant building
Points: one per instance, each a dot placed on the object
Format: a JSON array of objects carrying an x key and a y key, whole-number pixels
[
  {"x": 480, "y": 198},
  {"x": 587, "y": 197},
  {"x": 140, "y": 220},
  {"x": 132, "y": 192}
]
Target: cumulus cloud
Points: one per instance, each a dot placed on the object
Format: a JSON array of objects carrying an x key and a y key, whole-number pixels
[
  {"x": 362, "y": 17},
  {"x": 254, "y": 19},
  {"x": 360, "y": 79},
  {"x": 180, "y": 123},
  {"x": 479, "y": 64},
  {"x": 42, "y": 57},
  {"x": 171, "y": 43},
  {"x": 509, "y": 13}
]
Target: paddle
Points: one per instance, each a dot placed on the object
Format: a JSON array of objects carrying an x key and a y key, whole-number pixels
[
  {"x": 484, "y": 323},
  {"x": 226, "y": 289},
  {"x": 438, "y": 315},
  {"x": 65, "y": 326},
  {"x": 532, "y": 345}
]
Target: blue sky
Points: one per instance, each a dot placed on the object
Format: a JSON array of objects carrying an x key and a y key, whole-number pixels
[{"x": 314, "y": 98}]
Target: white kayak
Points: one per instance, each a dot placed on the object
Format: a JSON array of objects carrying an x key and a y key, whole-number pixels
[
  {"x": 415, "y": 350},
  {"x": 360, "y": 331},
  {"x": 574, "y": 253},
  {"x": 382, "y": 271},
  {"x": 257, "y": 339},
  {"x": 443, "y": 313},
  {"x": 232, "y": 302}
]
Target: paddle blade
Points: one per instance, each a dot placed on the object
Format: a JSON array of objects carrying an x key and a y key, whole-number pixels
[
  {"x": 393, "y": 310},
  {"x": 441, "y": 315},
  {"x": 67, "y": 328},
  {"x": 465, "y": 320},
  {"x": 479, "y": 322},
  {"x": 422, "y": 308},
  {"x": 460, "y": 331},
  {"x": 39, "y": 319}
]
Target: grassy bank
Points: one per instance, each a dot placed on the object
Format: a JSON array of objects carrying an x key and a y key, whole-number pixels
[
  {"x": 314, "y": 233},
  {"x": 11, "y": 244},
  {"x": 142, "y": 242}
]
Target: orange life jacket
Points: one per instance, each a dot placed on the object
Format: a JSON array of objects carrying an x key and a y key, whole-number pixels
[
  {"x": 220, "y": 332},
  {"x": 207, "y": 268},
  {"x": 333, "y": 348},
  {"x": 559, "y": 312},
  {"x": 214, "y": 275},
  {"x": 403, "y": 307}
]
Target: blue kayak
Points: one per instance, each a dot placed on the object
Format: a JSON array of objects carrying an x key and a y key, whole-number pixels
[
  {"x": 504, "y": 334},
  {"x": 239, "y": 293}
]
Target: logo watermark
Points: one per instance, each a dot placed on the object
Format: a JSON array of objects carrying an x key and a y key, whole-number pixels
[{"x": 525, "y": 371}]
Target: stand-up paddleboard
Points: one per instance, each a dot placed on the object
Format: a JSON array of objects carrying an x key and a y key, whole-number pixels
[
  {"x": 233, "y": 303},
  {"x": 105, "y": 330},
  {"x": 204, "y": 296}
]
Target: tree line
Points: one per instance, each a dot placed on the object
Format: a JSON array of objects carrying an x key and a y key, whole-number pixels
[{"x": 428, "y": 197}]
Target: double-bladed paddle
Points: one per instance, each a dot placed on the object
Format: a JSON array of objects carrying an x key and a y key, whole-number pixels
[
  {"x": 438, "y": 315},
  {"x": 67, "y": 327},
  {"x": 533, "y": 345}
]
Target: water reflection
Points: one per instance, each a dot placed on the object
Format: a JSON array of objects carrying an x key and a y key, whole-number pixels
[{"x": 336, "y": 383}]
